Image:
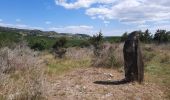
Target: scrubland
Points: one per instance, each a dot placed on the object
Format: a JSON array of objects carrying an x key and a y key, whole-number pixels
[{"x": 37, "y": 75}]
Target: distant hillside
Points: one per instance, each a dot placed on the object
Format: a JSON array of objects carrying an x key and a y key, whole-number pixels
[
  {"x": 28, "y": 32},
  {"x": 46, "y": 39}
]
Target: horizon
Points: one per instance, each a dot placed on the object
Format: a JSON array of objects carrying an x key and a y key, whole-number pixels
[{"x": 113, "y": 17}]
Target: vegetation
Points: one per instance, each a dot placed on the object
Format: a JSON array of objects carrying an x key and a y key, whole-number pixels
[
  {"x": 145, "y": 37},
  {"x": 60, "y": 66},
  {"x": 96, "y": 41},
  {"x": 161, "y": 36},
  {"x": 59, "y": 47},
  {"x": 157, "y": 65},
  {"x": 9, "y": 39},
  {"x": 20, "y": 74},
  {"x": 40, "y": 42},
  {"x": 124, "y": 36},
  {"x": 112, "y": 39},
  {"x": 31, "y": 74}
]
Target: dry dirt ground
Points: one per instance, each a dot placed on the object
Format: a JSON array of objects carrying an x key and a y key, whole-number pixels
[{"x": 78, "y": 85}]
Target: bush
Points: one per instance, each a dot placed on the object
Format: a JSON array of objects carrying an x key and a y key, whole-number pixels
[
  {"x": 60, "y": 43},
  {"x": 77, "y": 53},
  {"x": 96, "y": 41},
  {"x": 59, "y": 47},
  {"x": 40, "y": 42},
  {"x": 84, "y": 44},
  {"x": 9, "y": 39},
  {"x": 39, "y": 45},
  {"x": 21, "y": 74},
  {"x": 110, "y": 56}
]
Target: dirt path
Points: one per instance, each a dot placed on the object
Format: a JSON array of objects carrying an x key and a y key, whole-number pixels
[{"x": 78, "y": 85}]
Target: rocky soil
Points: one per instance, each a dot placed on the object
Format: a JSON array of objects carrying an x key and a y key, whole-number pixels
[{"x": 78, "y": 85}]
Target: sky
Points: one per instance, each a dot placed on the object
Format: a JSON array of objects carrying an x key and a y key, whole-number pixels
[{"x": 112, "y": 17}]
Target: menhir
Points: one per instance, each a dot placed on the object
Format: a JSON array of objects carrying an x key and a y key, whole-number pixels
[{"x": 133, "y": 63}]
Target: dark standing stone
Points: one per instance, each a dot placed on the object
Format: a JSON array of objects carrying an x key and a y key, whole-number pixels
[{"x": 133, "y": 63}]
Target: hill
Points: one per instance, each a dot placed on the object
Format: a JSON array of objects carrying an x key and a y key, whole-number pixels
[{"x": 28, "y": 32}]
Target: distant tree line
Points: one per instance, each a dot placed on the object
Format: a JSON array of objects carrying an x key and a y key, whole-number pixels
[
  {"x": 10, "y": 39},
  {"x": 160, "y": 36}
]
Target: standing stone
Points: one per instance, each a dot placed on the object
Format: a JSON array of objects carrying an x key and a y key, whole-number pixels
[{"x": 133, "y": 63}]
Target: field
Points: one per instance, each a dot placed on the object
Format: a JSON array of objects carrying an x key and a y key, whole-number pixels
[
  {"x": 39, "y": 75},
  {"x": 84, "y": 49}
]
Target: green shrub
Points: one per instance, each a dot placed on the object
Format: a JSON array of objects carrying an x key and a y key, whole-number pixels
[
  {"x": 60, "y": 43},
  {"x": 40, "y": 42},
  {"x": 39, "y": 45},
  {"x": 73, "y": 42},
  {"x": 9, "y": 39},
  {"x": 59, "y": 47},
  {"x": 96, "y": 41},
  {"x": 84, "y": 44}
]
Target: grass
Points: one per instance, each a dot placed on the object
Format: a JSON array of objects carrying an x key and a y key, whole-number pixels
[
  {"x": 22, "y": 79},
  {"x": 59, "y": 66},
  {"x": 157, "y": 65},
  {"x": 158, "y": 68}
]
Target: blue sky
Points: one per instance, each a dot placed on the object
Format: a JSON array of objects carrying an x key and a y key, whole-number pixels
[{"x": 113, "y": 17}]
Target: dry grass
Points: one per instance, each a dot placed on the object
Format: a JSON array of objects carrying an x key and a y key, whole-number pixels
[
  {"x": 79, "y": 53},
  {"x": 75, "y": 58},
  {"x": 21, "y": 74},
  {"x": 157, "y": 65},
  {"x": 29, "y": 75},
  {"x": 111, "y": 56}
]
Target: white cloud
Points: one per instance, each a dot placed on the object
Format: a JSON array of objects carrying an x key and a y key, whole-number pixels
[
  {"x": 74, "y": 29},
  {"x": 67, "y": 29},
  {"x": 164, "y": 27},
  {"x": 20, "y": 26},
  {"x": 100, "y": 12},
  {"x": 106, "y": 23},
  {"x": 13, "y": 25},
  {"x": 143, "y": 26},
  {"x": 78, "y": 4},
  {"x": 136, "y": 14},
  {"x": 131, "y": 11},
  {"x": 47, "y": 22},
  {"x": 81, "y": 3},
  {"x": 126, "y": 11}
]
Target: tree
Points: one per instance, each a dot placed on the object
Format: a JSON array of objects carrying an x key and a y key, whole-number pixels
[
  {"x": 59, "y": 47},
  {"x": 147, "y": 36},
  {"x": 161, "y": 36},
  {"x": 96, "y": 41},
  {"x": 61, "y": 42}
]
